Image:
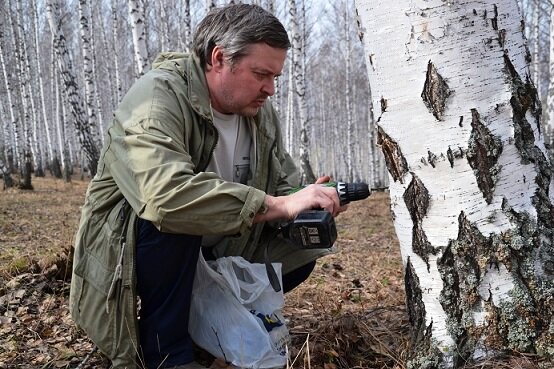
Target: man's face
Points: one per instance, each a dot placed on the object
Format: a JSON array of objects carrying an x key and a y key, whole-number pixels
[{"x": 242, "y": 88}]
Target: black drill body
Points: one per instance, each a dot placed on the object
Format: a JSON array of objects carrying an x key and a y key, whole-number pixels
[{"x": 316, "y": 229}]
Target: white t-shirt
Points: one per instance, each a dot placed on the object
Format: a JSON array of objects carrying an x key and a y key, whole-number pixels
[{"x": 231, "y": 157}]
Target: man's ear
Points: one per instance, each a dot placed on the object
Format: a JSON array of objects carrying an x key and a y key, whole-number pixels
[{"x": 217, "y": 58}]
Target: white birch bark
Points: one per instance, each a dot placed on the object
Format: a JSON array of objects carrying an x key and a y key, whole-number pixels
[
  {"x": 115, "y": 50},
  {"x": 347, "y": 97},
  {"x": 88, "y": 77},
  {"x": 549, "y": 126},
  {"x": 471, "y": 187},
  {"x": 71, "y": 91},
  {"x": 300, "y": 90},
  {"x": 99, "y": 118},
  {"x": 185, "y": 27},
  {"x": 535, "y": 57},
  {"x": 10, "y": 95},
  {"x": 19, "y": 46},
  {"x": 44, "y": 115},
  {"x": 138, "y": 19},
  {"x": 164, "y": 25},
  {"x": 210, "y": 4},
  {"x": 289, "y": 135}
]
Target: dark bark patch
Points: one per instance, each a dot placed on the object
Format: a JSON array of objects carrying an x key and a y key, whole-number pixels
[
  {"x": 396, "y": 163},
  {"x": 424, "y": 354},
  {"x": 417, "y": 201},
  {"x": 383, "y": 103},
  {"x": 435, "y": 92},
  {"x": 414, "y": 300},
  {"x": 450, "y": 156},
  {"x": 484, "y": 149},
  {"x": 494, "y": 19},
  {"x": 431, "y": 158}
]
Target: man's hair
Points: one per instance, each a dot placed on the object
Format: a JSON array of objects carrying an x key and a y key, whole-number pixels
[{"x": 235, "y": 28}]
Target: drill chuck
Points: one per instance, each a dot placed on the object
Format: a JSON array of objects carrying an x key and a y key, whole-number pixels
[{"x": 352, "y": 192}]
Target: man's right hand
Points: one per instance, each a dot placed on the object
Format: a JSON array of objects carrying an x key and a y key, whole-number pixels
[{"x": 314, "y": 196}]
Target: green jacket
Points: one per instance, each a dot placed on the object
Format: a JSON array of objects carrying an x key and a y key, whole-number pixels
[{"x": 151, "y": 167}]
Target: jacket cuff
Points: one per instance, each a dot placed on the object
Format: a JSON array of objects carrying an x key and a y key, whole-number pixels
[{"x": 254, "y": 202}]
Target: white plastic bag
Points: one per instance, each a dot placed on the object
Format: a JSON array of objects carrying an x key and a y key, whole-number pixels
[{"x": 236, "y": 315}]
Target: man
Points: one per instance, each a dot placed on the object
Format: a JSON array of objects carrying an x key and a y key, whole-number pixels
[{"x": 193, "y": 158}]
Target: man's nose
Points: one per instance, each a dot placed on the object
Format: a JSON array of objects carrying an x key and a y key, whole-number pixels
[{"x": 268, "y": 87}]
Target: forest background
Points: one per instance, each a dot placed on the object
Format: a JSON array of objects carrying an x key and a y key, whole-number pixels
[{"x": 66, "y": 64}]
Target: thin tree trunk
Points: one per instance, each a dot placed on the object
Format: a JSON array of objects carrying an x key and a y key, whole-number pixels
[
  {"x": 300, "y": 90},
  {"x": 88, "y": 77},
  {"x": 74, "y": 99},
  {"x": 549, "y": 126},
  {"x": 138, "y": 19},
  {"x": 471, "y": 184},
  {"x": 10, "y": 94},
  {"x": 44, "y": 115},
  {"x": 115, "y": 37}
]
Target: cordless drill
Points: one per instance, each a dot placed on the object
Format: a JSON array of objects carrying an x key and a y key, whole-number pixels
[{"x": 316, "y": 229}]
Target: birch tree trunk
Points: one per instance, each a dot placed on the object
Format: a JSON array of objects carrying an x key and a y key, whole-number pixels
[
  {"x": 72, "y": 93},
  {"x": 138, "y": 19},
  {"x": 10, "y": 94},
  {"x": 347, "y": 96},
  {"x": 87, "y": 54},
  {"x": 300, "y": 89},
  {"x": 115, "y": 37},
  {"x": 549, "y": 126},
  {"x": 471, "y": 185},
  {"x": 44, "y": 115},
  {"x": 185, "y": 27}
]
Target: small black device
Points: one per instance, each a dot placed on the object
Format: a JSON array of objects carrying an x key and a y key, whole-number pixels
[{"x": 316, "y": 229}]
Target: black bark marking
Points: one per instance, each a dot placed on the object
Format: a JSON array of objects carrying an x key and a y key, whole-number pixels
[
  {"x": 461, "y": 122},
  {"x": 414, "y": 302},
  {"x": 450, "y": 156},
  {"x": 435, "y": 92},
  {"x": 431, "y": 158},
  {"x": 424, "y": 354},
  {"x": 467, "y": 248},
  {"x": 417, "y": 201},
  {"x": 484, "y": 149},
  {"x": 451, "y": 302},
  {"x": 396, "y": 163},
  {"x": 359, "y": 23},
  {"x": 383, "y": 105},
  {"x": 524, "y": 98},
  {"x": 494, "y": 19}
]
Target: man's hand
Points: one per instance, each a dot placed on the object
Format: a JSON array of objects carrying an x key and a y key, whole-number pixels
[{"x": 312, "y": 196}]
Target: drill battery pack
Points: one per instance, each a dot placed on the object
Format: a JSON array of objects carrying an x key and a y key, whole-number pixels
[{"x": 312, "y": 229}]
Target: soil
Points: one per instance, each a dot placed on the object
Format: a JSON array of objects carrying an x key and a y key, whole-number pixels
[{"x": 350, "y": 313}]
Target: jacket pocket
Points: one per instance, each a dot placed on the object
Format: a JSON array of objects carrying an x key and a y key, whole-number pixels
[{"x": 97, "y": 308}]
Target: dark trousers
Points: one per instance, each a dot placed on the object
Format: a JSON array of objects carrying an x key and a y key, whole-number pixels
[{"x": 166, "y": 264}]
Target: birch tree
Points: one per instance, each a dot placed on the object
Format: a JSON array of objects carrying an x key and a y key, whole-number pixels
[
  {"x": 43, "y": 111},
  {"x": 138, "y": 19},
  {"x": 549, "y": 126},
  {"x": 71, "y": 90},
  {"x": 300, "y": 90},
  {"x": 87, "y": 54},
  {"x": 471, "y": 185}
]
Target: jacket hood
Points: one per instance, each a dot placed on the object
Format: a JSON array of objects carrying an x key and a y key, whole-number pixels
[{"x": 167, "y": 56}]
